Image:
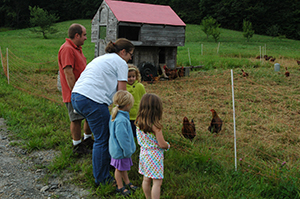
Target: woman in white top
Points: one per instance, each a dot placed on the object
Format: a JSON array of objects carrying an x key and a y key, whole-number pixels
[{"x": 93, "y": 93}]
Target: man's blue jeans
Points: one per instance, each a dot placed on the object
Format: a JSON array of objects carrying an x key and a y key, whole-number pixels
[{"x": 97, "y": 116}]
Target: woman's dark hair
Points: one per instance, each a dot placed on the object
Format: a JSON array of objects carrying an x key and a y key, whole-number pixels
[
  {"x": 75, "y": 28},
  {"x": 119, "y": 45}
]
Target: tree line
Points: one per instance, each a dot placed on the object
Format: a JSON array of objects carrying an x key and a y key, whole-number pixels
[{"x": 273, "y": 18}]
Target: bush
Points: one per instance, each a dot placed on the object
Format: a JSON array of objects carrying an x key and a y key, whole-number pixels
[{"x": 248, "y": 32}]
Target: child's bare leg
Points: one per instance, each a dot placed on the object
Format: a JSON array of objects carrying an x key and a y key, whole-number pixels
[
  {"x": 155, "y": 193},
  {"x": 147, "y": 187},
  {"x": 118, "y": 177},
  {"x": 125, "y": 177}
]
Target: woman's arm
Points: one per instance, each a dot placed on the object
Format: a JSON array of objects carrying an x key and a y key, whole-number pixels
[
  {"x": 160, "y": 138},
  {"x": 122, "y": 85}
]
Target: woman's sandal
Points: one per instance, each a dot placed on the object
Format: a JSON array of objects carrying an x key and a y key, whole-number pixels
[
  {"x": 131, "y": 186},
  {"x": 123, "y": 192}
]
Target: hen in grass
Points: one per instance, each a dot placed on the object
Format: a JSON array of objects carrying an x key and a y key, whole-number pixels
[
  {"x": 188, "y": 129},
  {"x": 287, "y": 73},
  {"x": 244, "y": 74},
  {"x": 216, "y": 123}
]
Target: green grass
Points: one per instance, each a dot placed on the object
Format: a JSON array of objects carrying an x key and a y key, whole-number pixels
[{"x": 267, "y": 116}]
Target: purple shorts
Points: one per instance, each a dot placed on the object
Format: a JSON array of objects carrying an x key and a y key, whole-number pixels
[{"x": 121, "y": 164}]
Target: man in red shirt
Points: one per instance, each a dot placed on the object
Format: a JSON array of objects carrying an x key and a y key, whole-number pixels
[{"x": 71, "y": 63}]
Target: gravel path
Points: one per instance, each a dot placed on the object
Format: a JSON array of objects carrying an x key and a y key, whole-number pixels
[{"x": 19, "y": 177}]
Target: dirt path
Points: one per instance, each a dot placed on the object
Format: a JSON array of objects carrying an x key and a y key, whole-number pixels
[{"x": 19, "y": 177}]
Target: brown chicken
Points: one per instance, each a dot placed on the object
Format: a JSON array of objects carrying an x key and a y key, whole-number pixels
[
  {"x": 216, "y": 123},
  {"x": 171, "y": 73},
  {"x": 188, "y": 129},
  {"x": 181, "y": 72},
  {"x": 298, "y": 62},
  {"x": 272, "y": 59},
  {"x": 244, "y": 74},
  {"x": 287, "y": 73},
  {"x": 166, "y": 69},
  {"x": 267, "y": 57}
]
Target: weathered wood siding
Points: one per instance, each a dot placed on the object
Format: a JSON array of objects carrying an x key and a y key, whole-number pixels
[
  {"x": 150, "y": 54},
  {"x": 103, "y": 17},
  {"x": 145, "y": 54},
  {"x": 159, "y": 35},
  {"x": 171, "y": 57}
]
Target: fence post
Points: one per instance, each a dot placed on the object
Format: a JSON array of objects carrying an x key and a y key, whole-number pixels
[
  {"x": 265, "y": 49},
  {"x": 1, "y": 59},
  {"x": 189, "y": 56},
  {"x": 259, "y": 53},
  {"x": 233, "y": 107},
  {"x": 201, "y": 49},
  {"x": 7, "y": 65}
]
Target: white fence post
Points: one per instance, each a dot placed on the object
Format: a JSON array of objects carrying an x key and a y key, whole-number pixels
[
  {"x": 259, "y": 53},
  {"x": 1, "y": 58},
  {"x": 233, "y": 107},
  {"x": 7, "y": 65},
  {"x": 189, "y": 56}
]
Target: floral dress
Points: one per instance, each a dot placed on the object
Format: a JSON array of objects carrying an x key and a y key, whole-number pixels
[{"x": 151, "y": 162}]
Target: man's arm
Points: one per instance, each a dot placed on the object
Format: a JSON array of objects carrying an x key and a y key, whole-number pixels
[{"x": 70, "y": 77}]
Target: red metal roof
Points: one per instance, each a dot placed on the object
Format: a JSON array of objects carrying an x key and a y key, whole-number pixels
[{"x": 144, "y": 13}]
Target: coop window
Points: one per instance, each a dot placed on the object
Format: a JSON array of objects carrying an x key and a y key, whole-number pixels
[
  {"x": 129, "y": 32},
  {"x": 102, "y": 32}
]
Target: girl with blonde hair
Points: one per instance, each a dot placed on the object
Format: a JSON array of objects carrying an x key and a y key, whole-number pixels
[
  {"x": 137, "y": 89},
  {"x": 121, "y": 141}
]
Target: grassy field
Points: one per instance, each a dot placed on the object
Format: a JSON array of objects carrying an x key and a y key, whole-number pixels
[{"x": 267, "y": 115}]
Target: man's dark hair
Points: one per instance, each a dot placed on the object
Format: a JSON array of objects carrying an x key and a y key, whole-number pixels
[{"x": 75, "y": 28}]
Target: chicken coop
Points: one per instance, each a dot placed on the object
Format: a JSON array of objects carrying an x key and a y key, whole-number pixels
[{"x": 155, "y": 30}]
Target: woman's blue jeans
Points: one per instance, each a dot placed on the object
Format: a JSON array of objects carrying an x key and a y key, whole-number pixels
[{"x": 97, "y": 116}]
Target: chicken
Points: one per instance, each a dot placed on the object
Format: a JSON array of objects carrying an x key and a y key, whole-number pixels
[
  {"x": 188, "y": 129},
  {"x": 272, "y": 59},
  {"x": 287, "y": 73},
  {"x": 163, "y": 71},
  {"x": 216, "y": 123},
  {"x": 257, "y": 57},
  {"x": 244, "y": 74},
  {"x": 166, "y": 69},
  {"x": 267, "y": 57},
  {"x": 298, "y": 62},
  {"x": 181, "y": 72}
]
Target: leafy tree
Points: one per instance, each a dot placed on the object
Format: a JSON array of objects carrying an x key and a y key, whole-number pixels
[
  {"x": 42, "y": 21},
  {"x": 216, "y": 33},
  {"x": 248, "y": 32},
  {"x": 210, "y": 26}
]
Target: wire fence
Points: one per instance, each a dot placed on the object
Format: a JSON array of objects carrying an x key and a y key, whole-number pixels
[
  {"x": 267, "y": 112},
  {"x": 39, "y": 79}
]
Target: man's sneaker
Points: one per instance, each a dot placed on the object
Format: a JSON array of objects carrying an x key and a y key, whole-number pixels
[
  {"x": 80, "y": 149},
  {"x": 88, "y": 142}
]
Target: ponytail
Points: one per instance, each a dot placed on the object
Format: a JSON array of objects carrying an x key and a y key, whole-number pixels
[{"x": 120, "y": 44}]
